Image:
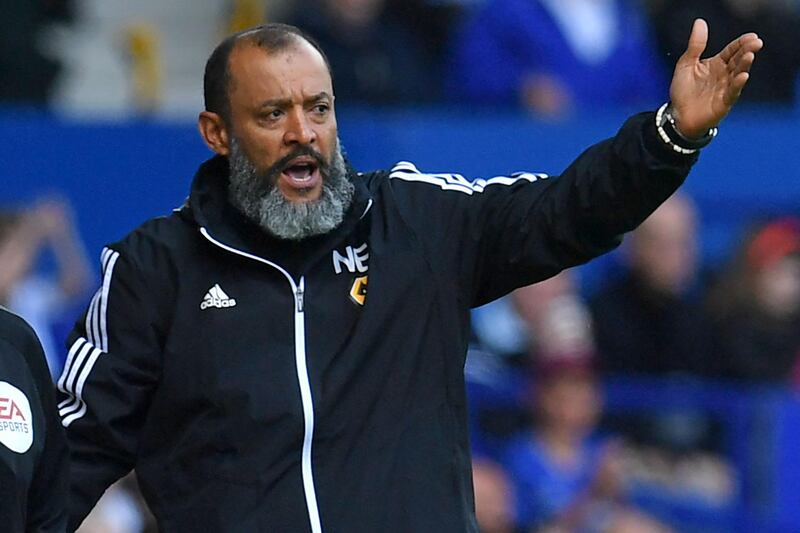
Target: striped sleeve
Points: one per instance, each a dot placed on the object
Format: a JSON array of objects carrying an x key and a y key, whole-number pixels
[
  {"x": 407, "y": 171},
  {"x": 85, "y": 351},
  {"x": 112, "y": 367},
  {"x": 495, "y": 235},
  {"x": 476, "y": 230}
]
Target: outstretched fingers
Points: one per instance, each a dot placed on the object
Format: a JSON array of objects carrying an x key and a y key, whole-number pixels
[
  {"x": 739, "y": 72},
  {"x": 742, "y": 60},
  {"x": 749, "y": 42}
]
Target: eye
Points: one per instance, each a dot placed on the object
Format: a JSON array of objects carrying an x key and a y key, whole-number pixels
[
  {"x": 321, "y": 109},
  {"x": 271, "y": 115}
]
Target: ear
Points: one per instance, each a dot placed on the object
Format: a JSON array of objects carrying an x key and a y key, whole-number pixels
[{"x": 212, "y": 129}]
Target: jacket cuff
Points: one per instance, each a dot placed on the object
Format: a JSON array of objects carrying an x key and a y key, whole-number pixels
[{"x": 660, "y": 150}]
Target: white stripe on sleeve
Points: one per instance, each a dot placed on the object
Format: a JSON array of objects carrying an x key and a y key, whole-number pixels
[
  {"x": 85, "y": 351},
  {"x": 90, "y": 321},
  {"x": 69, "y": 384},
  {"x": 406, "y": 171},
  {"x": 104, "y": 302},
  {"x": 68, "y": 367},
  {"x": 79, "y": 404}
]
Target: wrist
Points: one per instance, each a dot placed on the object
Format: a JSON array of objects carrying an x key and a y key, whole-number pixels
[{"x": 666, "y": 125}]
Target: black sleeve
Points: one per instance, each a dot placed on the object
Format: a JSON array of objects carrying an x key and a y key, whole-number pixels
[
  {"x": 510, "y": 231},
  {"x": 113, "y": 365},
  {"x": 47, "y": 495}
]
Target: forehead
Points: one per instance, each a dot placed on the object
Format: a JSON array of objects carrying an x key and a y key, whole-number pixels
[{"x": 258, "y": 75}]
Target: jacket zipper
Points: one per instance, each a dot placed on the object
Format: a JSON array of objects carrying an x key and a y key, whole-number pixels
[
  {"x": 298, "y": 290},
  {"x": 298, "y": 296}
]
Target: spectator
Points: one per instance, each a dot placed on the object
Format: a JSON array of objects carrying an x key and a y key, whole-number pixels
[
  {"x": 507, "y": 327},
  {"x": 652, "y": 322},
  {"x": 555, "y": 55},
  {"x": 539, "y": 315},
  {"x": 565, "y": 477},
  {"x": 775, "y": 75},
  {"x": 756, "y": 306},
  {"x": 649, "y": 321},
  {"x": 42, "y": 301},
  {"x": 374, "y": 58}
]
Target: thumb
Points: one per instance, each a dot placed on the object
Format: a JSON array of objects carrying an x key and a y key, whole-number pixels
[{"x": 697, "y": 41}]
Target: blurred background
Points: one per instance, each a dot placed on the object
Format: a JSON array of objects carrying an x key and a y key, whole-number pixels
[{"x": 655, "y": 389}]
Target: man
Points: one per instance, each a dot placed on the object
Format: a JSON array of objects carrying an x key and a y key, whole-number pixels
[
  {"x": 648, "y": 322},
  {"x": 33, "y": 451},
  {"x": 285, "y": 352}
]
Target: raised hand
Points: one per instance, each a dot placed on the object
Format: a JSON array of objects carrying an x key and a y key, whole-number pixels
[{"x": 703, "y": 91}]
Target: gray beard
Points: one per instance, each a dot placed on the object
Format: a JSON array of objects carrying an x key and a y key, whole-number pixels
[{"x": 257, "y": 196}]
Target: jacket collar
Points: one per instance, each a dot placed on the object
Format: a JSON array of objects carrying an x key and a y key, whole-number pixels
[{"x": 210, "y": 208}]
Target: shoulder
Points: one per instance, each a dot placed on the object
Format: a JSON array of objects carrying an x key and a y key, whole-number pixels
[
  {"x": 166, "y": 230},
  {"x": 417, "y": 195},
  {"x": 14, "y": 328},
  {"x": 407, "y": 188},
  {"x": 153, "y": 241},
  {"x": 18, "y": 334},
  {"x": 406, "y": 174}
]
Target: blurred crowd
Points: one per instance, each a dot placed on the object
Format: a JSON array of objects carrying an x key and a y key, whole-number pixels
[
  {"x": 44, "y": 273},
  {"x": 553, "y": 57},
  {"x": 548, "y": 457}
]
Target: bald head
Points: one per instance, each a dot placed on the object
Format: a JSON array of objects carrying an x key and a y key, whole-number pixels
[
  {"x": 272, "y": 37},
  {"x": 663, "y": 249}
]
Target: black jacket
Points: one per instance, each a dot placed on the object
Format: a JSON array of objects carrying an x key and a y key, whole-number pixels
[
  {"x": 33, "y": 451},
  {"x": 263, "y": 385}
]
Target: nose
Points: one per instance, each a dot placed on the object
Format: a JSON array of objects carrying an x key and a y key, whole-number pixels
[{"x": 298, "y": 129}]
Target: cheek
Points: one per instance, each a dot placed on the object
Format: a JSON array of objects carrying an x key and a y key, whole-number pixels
[
  {"x": 266, "y": 150},
  {"x": 260, "y": 144},
  {"x": 326, "y": 138}
]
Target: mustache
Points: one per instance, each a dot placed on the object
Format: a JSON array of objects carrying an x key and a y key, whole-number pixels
[{"x": 271, "y": 174}]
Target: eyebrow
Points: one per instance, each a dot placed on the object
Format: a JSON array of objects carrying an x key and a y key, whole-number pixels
[{"x": 285, "y": 102}]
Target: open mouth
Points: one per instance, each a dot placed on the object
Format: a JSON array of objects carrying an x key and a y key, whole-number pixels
[{"x": 301, "y": 172}]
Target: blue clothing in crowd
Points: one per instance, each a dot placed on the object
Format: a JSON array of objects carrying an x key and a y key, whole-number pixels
[
  {"x": 543, "y": 489},
  {"x": 505, "y": 41}
]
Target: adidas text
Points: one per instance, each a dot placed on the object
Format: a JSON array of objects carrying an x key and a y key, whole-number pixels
[
  {"x": 216, "y": 297},
  {"x": 219, "y": 304}
]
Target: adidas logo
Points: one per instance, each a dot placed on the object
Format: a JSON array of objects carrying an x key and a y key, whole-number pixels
[{"x": 216, "y": 297}]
